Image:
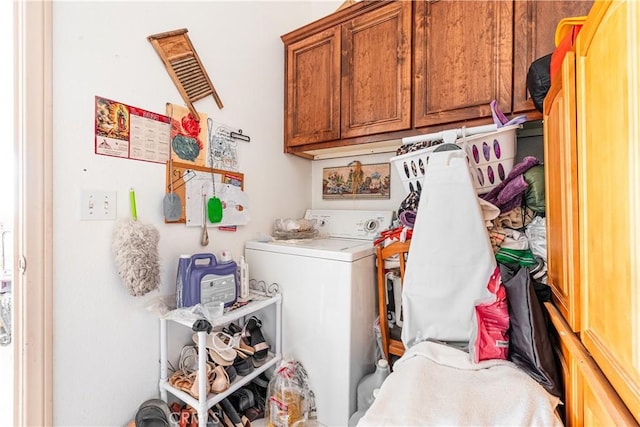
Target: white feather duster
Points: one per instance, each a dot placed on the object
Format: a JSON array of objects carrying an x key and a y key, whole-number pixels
[{"x": 135, "y": 248}]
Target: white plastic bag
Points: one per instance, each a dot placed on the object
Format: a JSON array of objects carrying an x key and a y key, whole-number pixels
[
  {"x": 536, "y": 233},
  {"x": 450, "y": 258},
  {"x": 289, "y": 399}
]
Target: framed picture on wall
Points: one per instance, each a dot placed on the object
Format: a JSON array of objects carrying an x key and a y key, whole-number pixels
[{"x": 357, "y": 181}]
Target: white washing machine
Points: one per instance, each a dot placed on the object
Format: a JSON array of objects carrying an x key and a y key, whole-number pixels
[{"x": 328, "y": 288}]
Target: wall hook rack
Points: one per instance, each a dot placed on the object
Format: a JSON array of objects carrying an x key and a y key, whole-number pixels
[{"x": 240, "y": 136}]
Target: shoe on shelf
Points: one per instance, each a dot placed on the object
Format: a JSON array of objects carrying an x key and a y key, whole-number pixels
[
  {"x": 219, "y": 352},
  {"x": 188, "y": 362},
  {"x": 256, "y": 340},
  {"x": 237, "y": 341},
  {"x": 243, "y": 364},
  {"x": 219, "y": 380},
  {"x": 231, "y": 372},
  {"x": 242, "y": 399}
]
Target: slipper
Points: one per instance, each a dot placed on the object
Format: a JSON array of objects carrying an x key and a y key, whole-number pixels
[
  {"x": 219, "y": 380},
  {"x": 257, "y": 341}
]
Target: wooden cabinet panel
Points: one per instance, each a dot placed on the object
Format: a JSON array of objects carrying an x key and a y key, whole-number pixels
[
  {"x": 376, "y": 71},
  {"x": 589, "y": 398},
  {"x": 462, "y": 60},
  {"x": 561, "y": 192},
  {"x": 313, "y": 93},
  {"x": 608, "y": 83},
  {"x": 534, "y": 29}
]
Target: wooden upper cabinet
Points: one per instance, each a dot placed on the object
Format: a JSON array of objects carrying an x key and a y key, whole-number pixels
[
  {"x": 312, "y": 103},
  {"x": 462, "y": 60},
  {"x": 561, "y": 192},
  {"x": 376, "y": 71},
  {"x": 607, "y": 63},
  {"x": 534, "y": 28}
]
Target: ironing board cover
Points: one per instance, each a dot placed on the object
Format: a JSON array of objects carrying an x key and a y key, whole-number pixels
[{"x": 450, "y": 258}]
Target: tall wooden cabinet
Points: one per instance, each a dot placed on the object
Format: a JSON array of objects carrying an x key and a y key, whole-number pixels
[
  {"x": 593, "y": 185},
  {"x": 462, "y": 60},
  {"x": 561, "y": 181},
  {"x": 608, "y": 88}
]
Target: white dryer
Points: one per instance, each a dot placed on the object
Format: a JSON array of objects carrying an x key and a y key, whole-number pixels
[{"x": 328, "y": 288}]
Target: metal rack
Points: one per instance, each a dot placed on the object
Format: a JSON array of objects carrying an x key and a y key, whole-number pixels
[{"x": 207, "y": 401}]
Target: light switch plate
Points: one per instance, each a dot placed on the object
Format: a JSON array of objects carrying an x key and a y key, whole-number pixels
[{"x": 98, "y": 205}]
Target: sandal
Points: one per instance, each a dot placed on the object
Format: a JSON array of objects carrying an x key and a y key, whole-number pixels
[
  {"x": 188, "y": 362},
  {"x": 237, "y": 341},
  {"x": 180, "y": 380},
  {"x": 219, "y": 380},
  {"x": 257, "y": 341},
  {"x": 194, "y": 377},
  {"x": 219, "y": 352}
]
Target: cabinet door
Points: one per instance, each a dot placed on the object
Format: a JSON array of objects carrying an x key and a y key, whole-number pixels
[
  {"x": 376, "y": 71},
  {"x": 608, "y": 82},
  {"x": 312, "y": 103},
  {"x": 561, "y": 193},
  {"x": 534, "y": 29},
  {"x": 462, "y": 60}
]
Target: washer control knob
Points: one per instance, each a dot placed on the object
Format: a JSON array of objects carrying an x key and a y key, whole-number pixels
[{"x": 371, "y": 225}]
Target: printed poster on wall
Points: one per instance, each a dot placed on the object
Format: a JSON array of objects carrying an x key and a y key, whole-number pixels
[{"x": 129, "y": 132}]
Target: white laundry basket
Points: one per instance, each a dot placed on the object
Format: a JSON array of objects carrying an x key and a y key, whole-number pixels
[{"x": 491, "y": 156}]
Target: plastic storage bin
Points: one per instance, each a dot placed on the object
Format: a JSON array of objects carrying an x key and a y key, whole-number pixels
[{"x": 491, "y": 157}]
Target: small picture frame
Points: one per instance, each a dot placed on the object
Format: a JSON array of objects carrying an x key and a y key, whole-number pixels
[{"x": 357, "y": 181}]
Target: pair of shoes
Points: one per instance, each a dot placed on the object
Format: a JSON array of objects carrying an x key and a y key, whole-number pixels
[{"x": 256, "y": 340}]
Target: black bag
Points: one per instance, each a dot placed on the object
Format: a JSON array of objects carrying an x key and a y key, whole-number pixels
[
  {"x": 539, "y": 80},
  {"x": 153, "y": 413},
  {"x": 530, "y": 344}
]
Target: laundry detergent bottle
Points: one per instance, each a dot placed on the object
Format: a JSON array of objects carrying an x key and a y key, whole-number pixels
[{"x": 369, "y": 383}]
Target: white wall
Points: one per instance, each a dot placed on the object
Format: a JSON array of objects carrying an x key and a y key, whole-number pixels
[{"x": 106, "y": 347}]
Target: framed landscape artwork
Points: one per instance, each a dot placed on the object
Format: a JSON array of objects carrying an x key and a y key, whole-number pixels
[{"x": 357, "y": 181}]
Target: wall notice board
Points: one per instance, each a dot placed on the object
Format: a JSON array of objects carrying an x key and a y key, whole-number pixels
[{"x": 191, "y": 183}]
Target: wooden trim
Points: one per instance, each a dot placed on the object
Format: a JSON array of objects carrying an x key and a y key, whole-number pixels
[{"x": 33, "y": 292}]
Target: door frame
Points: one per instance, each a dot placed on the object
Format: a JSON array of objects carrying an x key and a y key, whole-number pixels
[{"x": 33, "y": 223}]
